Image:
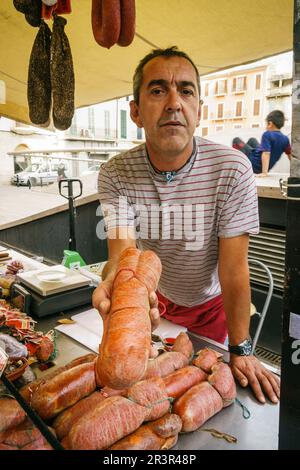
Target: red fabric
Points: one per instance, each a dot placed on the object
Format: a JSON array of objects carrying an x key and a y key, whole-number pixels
[{"x": 207, "y": 319}]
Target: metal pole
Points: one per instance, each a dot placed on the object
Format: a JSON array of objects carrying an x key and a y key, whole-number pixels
[
  {"x": 289, "y": 424},
  {"x": 72, "y": 240}
]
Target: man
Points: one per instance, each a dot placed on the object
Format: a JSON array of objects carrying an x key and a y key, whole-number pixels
[
  {"x": 205, "y": 280},
  {"x": 61, "y": 171},
  {"x": 273, "y": 144}
]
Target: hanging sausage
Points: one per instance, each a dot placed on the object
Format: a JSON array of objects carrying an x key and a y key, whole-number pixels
[
  {"x": 62, "y": 76},
  {"x": 113, "y": 22},
  {"x": 32, "y": 10},
  {"x": 127, "y": 22},
  {"x": 39, "y": 83}
]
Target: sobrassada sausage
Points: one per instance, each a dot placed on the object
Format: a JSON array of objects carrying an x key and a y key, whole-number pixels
[
  {"x": 182, "y": 380},
  {"x": 165, "y": 364},
  {"x": 206, "y": 358},
  {"x": 28, "y": 390},
  {"x": 184, "y": 345},
  {"x": 11, "y": 414},
  {"x": 64, "y": 390},
  {"x": 126, "y": 343},
  {"x": 106, "y": 22},
  {"x": 157, "y": 435},
  {"x": 65, "y": 420},
  {"x": 152, "y": 394},
  {"x": 127, "y": 22},
  {"x": 197, "y": 405},
  {"x": 222, "y": 380},
  {"x": 25, "y": 436},
  {"x": 167, "y": 426},
  {"x": 110, "y": 421}
]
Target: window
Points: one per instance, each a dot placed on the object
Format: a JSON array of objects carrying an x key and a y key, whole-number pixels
[
  {"x": 123, "y": 124},
  {"x": 275, "y": 83},
  {"x": 255, "y": 126},
  {"x": 91, "y": 119},
  {"x": 220, "y": 110},
  {"x": 258, "y": 82},
  {"x": 73, "y": 128},
  {"x": 106, "y": 124},
  {"x": 204, "y": 131},
  {"x": 237, "y": 126},
  {"x": 221, "y": 87},
  {"x": 256, "y": 108},
  {"x": 239, "y": 84},
  {"x": 219, "y": 128},
  {"x": 205, "y": 112},
  {"x": 206, "y": 89},
  {"x": 238, "y": 108},
  {"x": 139, "y": 133}
]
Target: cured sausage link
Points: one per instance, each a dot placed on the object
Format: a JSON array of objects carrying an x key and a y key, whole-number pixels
[
  {"x": 197, "y": 405},
  {"x": 222, "y": 380},
  {"x": 28, "y": 390},
  {"x": 106, "y": 22},
  {"x": 182, "y": 380},
  {"x": 127, "y": 22},
  {"x": 157, "y": 435},
  {"x": 64, "y": 390},
  {"x": 126, "y": 342},
  {"x": 108, "y": 422}
]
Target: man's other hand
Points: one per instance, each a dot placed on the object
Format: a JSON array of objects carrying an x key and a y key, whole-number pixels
[{"x": 249, "y": 371}]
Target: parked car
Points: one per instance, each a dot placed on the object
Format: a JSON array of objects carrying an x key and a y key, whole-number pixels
[
  {"x": 36, "y": 175},
  {"x": 92, "y": 170}
]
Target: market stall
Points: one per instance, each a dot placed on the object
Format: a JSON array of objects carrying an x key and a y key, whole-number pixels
[
  {"x": 243, "y": 425},
  {"x": 205, "y": 22}
]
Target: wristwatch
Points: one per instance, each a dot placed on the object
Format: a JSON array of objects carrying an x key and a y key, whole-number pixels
[{"x": 242, "y": 349}]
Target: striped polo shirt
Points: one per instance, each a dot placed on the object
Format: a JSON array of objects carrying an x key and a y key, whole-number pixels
[{"x": 181, "y": 215}]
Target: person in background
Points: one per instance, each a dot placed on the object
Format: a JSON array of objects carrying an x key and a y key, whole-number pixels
[
  {"x": 204, "y": 285},
  {"x": 246, "y": 148},
  {"x": 253, "y": 143},
  {"x": 240, "y": 145},
  {"x": 61, "y": 171},
  {"x": 273, "y": 144}
]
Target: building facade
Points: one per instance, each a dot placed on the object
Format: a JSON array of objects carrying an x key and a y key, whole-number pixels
[{"x": 237, "y": 100}]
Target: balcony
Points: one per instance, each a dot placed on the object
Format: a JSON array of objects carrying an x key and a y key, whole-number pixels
[
  {"x": 279, "y": 92},
  {"x": 238, "y": 91},
  {"x": 227, "y": 115}
]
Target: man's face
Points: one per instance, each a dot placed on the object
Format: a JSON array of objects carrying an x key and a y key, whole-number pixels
[{"x": 168, "y": 107}]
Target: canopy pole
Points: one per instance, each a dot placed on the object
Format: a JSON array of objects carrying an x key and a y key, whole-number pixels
[{"x": 289, "y": 424}]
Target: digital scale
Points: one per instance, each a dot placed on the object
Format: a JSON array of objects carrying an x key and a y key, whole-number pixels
[{"x": 49, "y": 290}]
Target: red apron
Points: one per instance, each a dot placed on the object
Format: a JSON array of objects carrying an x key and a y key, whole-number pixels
[{"x": 207, "y": 319}]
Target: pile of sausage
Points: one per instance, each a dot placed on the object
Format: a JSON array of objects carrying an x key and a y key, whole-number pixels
[
  {"x": 175, "y": 395},
  {"x": 124, "y": 399},
  {"x": 113, "y": 22}
]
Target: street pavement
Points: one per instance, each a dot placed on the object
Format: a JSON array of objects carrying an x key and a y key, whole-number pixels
[{"x": 17, "y": 203}]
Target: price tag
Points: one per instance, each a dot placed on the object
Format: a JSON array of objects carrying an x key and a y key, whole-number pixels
[{"x": 3, "y": 360}]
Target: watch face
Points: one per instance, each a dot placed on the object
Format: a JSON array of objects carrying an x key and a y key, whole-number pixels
[
  {"x": 242, "y": 349},
  {"x": 247, "y": 346}
]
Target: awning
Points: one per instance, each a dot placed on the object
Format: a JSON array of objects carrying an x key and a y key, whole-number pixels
[{"x": 216, "y": 34}]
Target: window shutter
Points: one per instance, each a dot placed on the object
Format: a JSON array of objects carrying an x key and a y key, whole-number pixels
[{"x": 234, "y": 85}]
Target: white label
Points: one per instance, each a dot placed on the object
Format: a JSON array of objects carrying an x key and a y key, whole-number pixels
[
  {"x": 3, "y": 360},
  {"x": 294, "y": 329}
]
